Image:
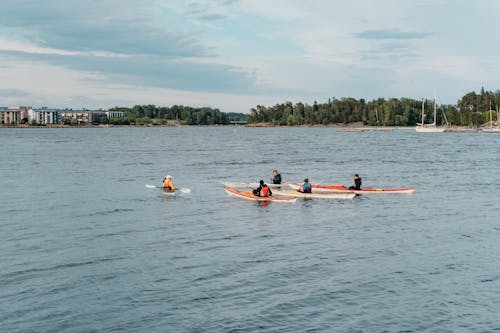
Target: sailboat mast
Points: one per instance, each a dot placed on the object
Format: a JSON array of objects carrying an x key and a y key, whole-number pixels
[
  {"x": 491, "y": 116},
  {"x": 423, "y": 112},
  {"x": 435, "y": 109}
]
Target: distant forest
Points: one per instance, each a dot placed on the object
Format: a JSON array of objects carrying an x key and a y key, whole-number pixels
[
  {"x": 471, "y": 110},
  {"x": 162, "y": 115}
]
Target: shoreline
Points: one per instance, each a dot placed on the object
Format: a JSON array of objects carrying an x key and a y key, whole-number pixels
[
  {"x": 342, "y": 127},
  {"x": 217, "y": 125}
]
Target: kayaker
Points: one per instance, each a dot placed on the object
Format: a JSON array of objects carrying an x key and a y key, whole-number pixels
[
  {"x": 167, "y": 183},
  {"x": 357, "y": 183},
  {"x": 263, "y": 190},
  {"x": 306, "y": 187},
  {"x": 276, "y": 178}
]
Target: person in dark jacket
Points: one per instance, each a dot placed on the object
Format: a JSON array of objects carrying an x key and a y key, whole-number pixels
[
  {"x": 357, "y": 183},
  {"x": 276, "y": 178},
  {"x": 263, "y": 190}
]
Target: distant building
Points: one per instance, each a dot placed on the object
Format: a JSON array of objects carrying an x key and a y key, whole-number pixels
[
  {"x": 114, "y": 114},
  {"x": 13, "y": 115},
  {"x": 44, "y": 116},
  {"x": 81, "y": 116}
]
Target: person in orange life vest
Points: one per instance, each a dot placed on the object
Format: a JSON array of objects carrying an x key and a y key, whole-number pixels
[
  {"x": 263, "y": 190},
  {"x": 306, "y": 187},
  {"x": 167, "y": 183}
]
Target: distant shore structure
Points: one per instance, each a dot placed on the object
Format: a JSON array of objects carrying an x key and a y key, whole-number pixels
[
  {"x": 238, "y": 122},
  {"x": 17, "y": 115}
]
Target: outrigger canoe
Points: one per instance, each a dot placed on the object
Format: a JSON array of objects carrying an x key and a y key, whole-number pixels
[
  {"x": 315, "y": 195},
  {"x": 250, "y": 196},
  {"x": 336, "y": 188}
]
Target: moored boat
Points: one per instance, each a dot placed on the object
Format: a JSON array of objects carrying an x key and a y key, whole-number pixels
[
  {"x": 429, "y": 128},
  {"x": 492, "y": 129},
  {"x": 250, "y": 196}
]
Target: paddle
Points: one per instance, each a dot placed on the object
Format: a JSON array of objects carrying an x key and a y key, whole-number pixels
[{"x": 182, "y": 190}]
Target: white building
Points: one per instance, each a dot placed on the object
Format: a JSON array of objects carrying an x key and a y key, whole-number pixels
[
  {"x": 114, "y": 114},
  {"x": 44, "y": 116},
  {"x": 81, "y": 116}
]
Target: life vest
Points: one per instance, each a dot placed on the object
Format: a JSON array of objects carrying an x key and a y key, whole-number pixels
[
  {"x": 307, "y": 188},
  {"x": 264, "y": 191},
  {"x": 168, "y": 186}
]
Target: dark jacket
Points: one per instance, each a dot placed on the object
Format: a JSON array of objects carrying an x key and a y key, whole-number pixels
[
  {"x": 277, "y": 179},
  {"x": 357, "y": 184}
]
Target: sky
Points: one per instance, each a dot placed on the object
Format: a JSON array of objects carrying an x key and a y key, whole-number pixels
[{"x": 236, "y": 54}]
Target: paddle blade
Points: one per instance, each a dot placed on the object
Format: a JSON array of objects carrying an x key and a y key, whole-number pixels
[
  {"x": 151, "y": 186},
  {"x": 185, "y": 190}
]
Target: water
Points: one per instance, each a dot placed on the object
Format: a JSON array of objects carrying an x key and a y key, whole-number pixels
[{"x": 86, "y": 247}]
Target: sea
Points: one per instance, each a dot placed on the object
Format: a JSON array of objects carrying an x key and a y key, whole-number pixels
[{"x": 85, "y": 246}]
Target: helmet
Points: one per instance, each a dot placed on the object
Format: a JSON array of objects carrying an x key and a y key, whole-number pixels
[
  {"x": 261, "y": 182},
  {"x": 306, "y": 180}
]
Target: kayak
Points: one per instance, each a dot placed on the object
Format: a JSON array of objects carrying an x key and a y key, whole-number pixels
[
  {"x": 169, "y": 193},
  {"x": 250, "y": 196},
  {"x": 252, "y": 185},
  {"x": 297, "y": 194},
  {"x": 336, "y": 188}
]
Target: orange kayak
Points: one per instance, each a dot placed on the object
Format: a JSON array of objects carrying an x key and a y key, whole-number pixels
[{"x": 251, "y": 196}]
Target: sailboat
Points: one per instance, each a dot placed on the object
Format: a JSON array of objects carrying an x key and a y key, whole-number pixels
[
  {"x": 429, "y": 128},
  {"x": 492, "y": 129}
]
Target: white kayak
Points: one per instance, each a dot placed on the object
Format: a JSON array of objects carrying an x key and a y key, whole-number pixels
[
  {"x": 297, "y": 194},
  {"x": 252, "y": 185},
  {"x": 168, "y": 193},
  {"x": 336, "y": 188}
]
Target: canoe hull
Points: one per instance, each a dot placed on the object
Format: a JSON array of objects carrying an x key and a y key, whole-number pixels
[
  {"x": 252, "y": 185},
  {"x": 250, "y": 196},
  {"x": 314, "y": 195},
  {"x": 342, "y": 189},
  {"x": 168, "y": 193}
]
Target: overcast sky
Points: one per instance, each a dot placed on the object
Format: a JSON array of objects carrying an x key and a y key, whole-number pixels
[{"x": 235, "y": 54}]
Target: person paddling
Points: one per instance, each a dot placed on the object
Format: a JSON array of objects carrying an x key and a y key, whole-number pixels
[
  {"x": 357, "y": 183},
  {"x": 167, "y": 183},
  {"x": 276, "y": 178},
  {"x": 263, "y": 190},
  {"x": 306, "y": 187}
]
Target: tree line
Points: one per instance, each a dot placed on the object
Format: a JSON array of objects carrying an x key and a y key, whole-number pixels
[
  {"x": 161, "y": 115},
  {"x": 471, "y": 110}
]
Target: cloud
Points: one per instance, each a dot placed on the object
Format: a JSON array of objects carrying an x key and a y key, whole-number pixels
[
  {"x": 77, "y": 89},
  {"x": 272, "y": 50},
  {"x": 124, "y": 26},
  {"x": 391, "y": 34},
  {"x": 153, "y": 71},
  {"x": 13, "y": 93},
  {"x": 212, "y": 17},
  {"x": 129, "y": 41}
]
